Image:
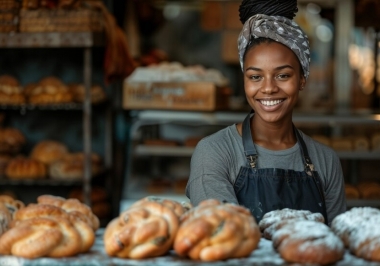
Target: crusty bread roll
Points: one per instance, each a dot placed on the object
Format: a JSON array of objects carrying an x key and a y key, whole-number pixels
[
  {"x": 10, "y": 91},
  {"x": 11, "y": 140},
  {"x": 72, "y": 206},
  {"x": 12, "y": 204},
  {"x": 48, "y": 151},
  {"x": 215, "y": 231},
  {"x": 351, "y": 191},
  {"x": 40, "y": 230},
  {"x": 272, "y": 220},
  {"x": 308, "y": 242},
  {"x": 71, "y": 166},
  {"x": 49, "y": 90},
  {"x": 25, "y": 168},
  {"x": 4, "y": 160},
  {"x": 144, "y": 230}
]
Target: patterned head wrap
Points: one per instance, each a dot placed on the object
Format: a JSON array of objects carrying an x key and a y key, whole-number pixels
[{"x": 280, "y": 29}]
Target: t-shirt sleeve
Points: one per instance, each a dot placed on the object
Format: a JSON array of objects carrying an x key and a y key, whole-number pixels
[
  {"x": 334, "y": 190},
  {"x": 209, "y": 174}
]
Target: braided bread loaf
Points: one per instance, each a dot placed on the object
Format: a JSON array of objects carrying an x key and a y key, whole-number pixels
[
  {"x": 73, "y": 206},
  {"x": 360, "y": 232},
  {"x": 303, "y": 241},
  {"x": 146, "y": 229},
  {"x": 272, "y": 220},
  {"x": 215, "y": 231},
  {"x": 40, "y": 230}
]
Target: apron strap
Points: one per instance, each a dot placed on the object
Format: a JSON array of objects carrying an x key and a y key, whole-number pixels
[
  {"x": 249, "y": 148},
  {"x": 309, "y": 166}
]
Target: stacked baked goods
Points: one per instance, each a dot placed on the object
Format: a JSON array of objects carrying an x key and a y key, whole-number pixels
[
  {"x": 53, "y": 227},
  {"x": 100, "y": 203},
  {"x": 300, "y": 236},
  {"x": 215, "y": 231},
  {"x": 146, "y": 229},
  {"x": 11, "y": 91},
  {"x": 49, "y": 90},
  {"x": 359, "y": 230}
]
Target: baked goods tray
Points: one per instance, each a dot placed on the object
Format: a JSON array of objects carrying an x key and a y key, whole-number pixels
[{"x": 263, "y": 255}]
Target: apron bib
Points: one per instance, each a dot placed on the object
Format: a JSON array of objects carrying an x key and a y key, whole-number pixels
[{"x": 267, "y": 189}]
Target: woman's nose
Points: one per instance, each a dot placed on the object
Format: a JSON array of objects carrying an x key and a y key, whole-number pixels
[{"x": 269, "y": 86}]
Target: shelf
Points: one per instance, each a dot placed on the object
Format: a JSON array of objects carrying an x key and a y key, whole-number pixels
[
  {"x": 360, "y": 155},
  {"x": 48, "y": 107},
  {"x": 51, "y": 39},
  {"x": 143, "y": 150},
  {"x": 39, "y": 182},
  {"x": 363, "y": 203}
]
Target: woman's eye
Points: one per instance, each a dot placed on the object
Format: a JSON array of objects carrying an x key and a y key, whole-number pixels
[
  {"x": 255, "y": 77},
  {"x": 283, "y": 76}
]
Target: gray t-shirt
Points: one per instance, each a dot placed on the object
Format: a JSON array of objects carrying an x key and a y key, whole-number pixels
[{"x": 217, "y": 159}]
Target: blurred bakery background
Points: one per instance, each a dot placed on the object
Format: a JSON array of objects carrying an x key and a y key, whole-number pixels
[{"x": 105, "y": 100}]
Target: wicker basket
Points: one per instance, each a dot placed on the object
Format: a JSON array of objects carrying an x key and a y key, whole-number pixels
[{"x": 60, "y": 20}]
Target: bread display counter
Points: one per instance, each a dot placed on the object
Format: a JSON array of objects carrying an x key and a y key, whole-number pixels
[{"x": 263, "y": 255}]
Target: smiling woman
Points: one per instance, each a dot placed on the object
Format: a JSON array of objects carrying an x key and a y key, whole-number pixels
[{"x": 265, "y": 163}]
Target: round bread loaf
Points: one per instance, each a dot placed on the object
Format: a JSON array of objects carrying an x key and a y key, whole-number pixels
[
  {"x": 215, "y": 231},
  {"x": 78, "y": 90},
  {"x": 308, "y": 242},
  {"x": 272, "y": 220},
  {"x": 142, "y": 231},
  {"x": 25, "y": 168},
  {"x": 351, "y": 191},
  {"x": 48, "y": 151}
]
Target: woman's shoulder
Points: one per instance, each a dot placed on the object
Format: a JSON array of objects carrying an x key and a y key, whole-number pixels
[{"x": 224, "y": 137}]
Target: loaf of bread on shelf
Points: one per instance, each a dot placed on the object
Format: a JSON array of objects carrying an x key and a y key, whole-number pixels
[
  {"x": 11, "y": 140},
  {"x": 359, "y": 230},
  {"x": 375, "y": 142},
  {"x": 48, "y": 151},
  {"x": 361, "y": 143},
  {"x": 49, "y": 90},
  {"x": 215, "y": 231},
  {"x": 307, "y": 242},
  {"x": 97, "y": 93},
  {"x": 273, "y": 220},
  {"x": 351, "y": 191},
  {"x": 11, "y": 92},
  {"x": 25, "y": 168},
  {"x": 369, "y": 190},
  {"x": 72, "y": 206},
  {"x": 144, "y": 230},
  {"x": 71, "y": 166},
  {"x": 42, "y": 230}
]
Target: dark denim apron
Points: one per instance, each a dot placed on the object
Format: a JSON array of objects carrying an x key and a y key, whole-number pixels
[{"x": 267, "y": 189}]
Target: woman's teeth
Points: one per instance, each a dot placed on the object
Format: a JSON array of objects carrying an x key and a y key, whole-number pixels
[{"x": 270, "y": 103}]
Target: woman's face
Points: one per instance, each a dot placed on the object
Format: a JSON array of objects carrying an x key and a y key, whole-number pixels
[{"x": 272, "y": 80}]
